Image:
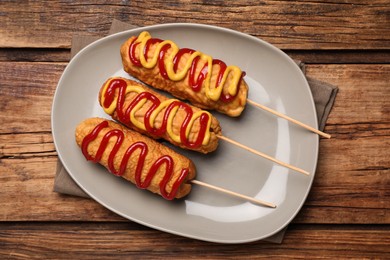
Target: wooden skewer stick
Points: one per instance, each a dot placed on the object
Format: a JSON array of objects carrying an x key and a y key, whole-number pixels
[
  {"x": 235, "y": 194},
  {"x": 263, "y": 155},
  {"x": 289, "y": 119}
]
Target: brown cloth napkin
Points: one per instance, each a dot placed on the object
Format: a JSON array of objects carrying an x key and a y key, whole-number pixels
[{"x": 324, "y": 96}]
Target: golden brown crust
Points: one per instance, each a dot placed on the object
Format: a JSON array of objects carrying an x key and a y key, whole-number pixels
[
  {"x": 155, "y": 151},
  {"x": 181, "y": 89},
  {"x": 178, "y": 120}
]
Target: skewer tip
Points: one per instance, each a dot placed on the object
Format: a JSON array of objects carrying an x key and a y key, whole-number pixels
[
  {"x": 263, "y": 155},
  {"x": 306, "y": 173},
  {"x": 235, "y": 194},
  {"x": 276, "y": 113}
]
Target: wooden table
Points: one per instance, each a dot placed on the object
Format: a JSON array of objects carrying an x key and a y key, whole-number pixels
[{"x": 346, "y": 43}]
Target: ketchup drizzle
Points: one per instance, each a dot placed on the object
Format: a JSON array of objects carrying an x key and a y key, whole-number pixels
[
  {"x": 124, "y": 117},
  {"x": 163, "y": 160},
  {"x": 132, "y": 56},
  {"x": 195, "y": 84}
]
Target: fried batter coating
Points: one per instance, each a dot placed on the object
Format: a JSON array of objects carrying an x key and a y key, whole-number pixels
[{"x": 154, "y": 152}]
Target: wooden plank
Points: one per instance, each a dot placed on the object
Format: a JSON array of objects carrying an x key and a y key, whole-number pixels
[
  {"x": 345, "y": 195},
  {"x": 26, "y": 96},
  {"x": 301, "y": 25},
  {"x": 363, "y": 96},
  {"x": 306, "y": 56},
  {"x": 347, "y": 189},
  {"x": 34, "y": 55},
  {"x": 340, "y": 56},
  {"x": 121, "y": 240},
  {"x": 27, "y": 194},
  {"x": 350, "y": 172},
  {"x": 341, "y": 215}
]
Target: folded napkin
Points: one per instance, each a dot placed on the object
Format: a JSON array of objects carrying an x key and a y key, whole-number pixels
[{"x": 324, "y": 96}]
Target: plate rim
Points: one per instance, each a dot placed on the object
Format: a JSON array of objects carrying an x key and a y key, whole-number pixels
[{"x": 197, "y": 26}]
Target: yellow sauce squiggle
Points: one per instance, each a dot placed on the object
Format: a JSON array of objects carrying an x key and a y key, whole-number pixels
[
  {"x": 212, "y": 92},
  {"x": 110, "y": 109}
]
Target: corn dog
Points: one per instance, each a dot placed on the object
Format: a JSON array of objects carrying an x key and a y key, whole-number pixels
[
  {"x": 153, "y": 114},
  {"x": 139, "y": 159},
  {"x": 185, "y": 73}
]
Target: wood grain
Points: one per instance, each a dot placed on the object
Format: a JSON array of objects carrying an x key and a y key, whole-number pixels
[
  {"x": 294, "y": 25},
  {"x": 363, "y": 96},
  {"x": 364, "y": 93},
  {"x": 119, "y": 240},
  {"x": 306, "y": 56},
  {"x": 347, "y": 189},
  {"x": 27, "y": 91},
  {"x": 27, "y": 180},
  {"x": 343, "y": 42}
]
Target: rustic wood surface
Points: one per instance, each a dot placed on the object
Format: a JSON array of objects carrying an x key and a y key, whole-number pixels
[{"x": 346, "y": 43}]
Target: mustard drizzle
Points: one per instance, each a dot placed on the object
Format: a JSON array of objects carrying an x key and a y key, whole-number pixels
[
  {"x": 212, "y": 92},
  {"x": 141, "y": 125}
]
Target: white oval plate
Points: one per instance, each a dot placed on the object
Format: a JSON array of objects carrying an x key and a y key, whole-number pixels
[{"x": 274, "y": 80}]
